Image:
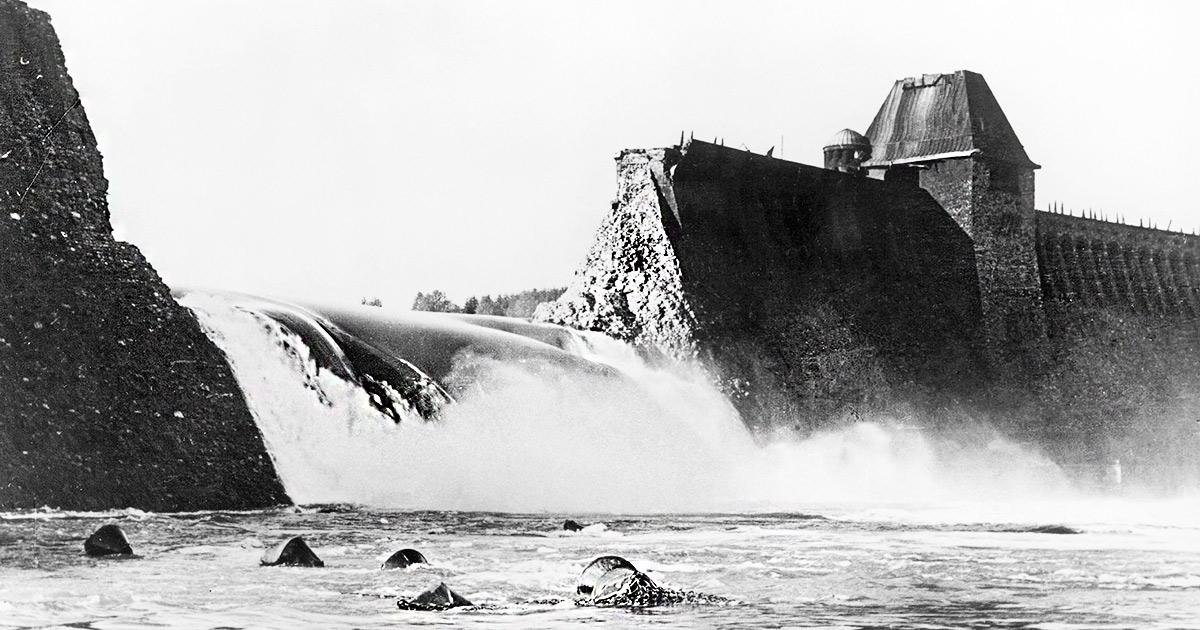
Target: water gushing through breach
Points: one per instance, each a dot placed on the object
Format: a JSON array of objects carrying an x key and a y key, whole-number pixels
[{"x": 527, "y": 436}]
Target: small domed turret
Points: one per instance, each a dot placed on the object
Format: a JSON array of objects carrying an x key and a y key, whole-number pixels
[{"x": 846, "y": 151}]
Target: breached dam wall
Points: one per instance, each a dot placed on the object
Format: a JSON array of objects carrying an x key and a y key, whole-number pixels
[
  {"x": 630, "y": 287},
  {"x": 110, "y": 394},
  {"x": 809, "y": 291}
]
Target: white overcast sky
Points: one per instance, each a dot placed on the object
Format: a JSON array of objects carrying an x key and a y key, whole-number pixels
[{"x": 335, "y": 150}]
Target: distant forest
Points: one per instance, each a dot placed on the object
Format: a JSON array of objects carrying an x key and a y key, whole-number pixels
[{"x": 514, "y": 305}]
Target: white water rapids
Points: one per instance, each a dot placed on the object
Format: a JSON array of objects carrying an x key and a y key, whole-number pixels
[
  {"x": 525, "y": 440},
  {"x": 872, "y": 525}
]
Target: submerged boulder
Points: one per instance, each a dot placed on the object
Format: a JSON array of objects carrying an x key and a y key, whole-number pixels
[
  {"x": 439, "y": 597},
  {"x": 612, "y": 581},
  {"x": 598, "y": 567},
  {"x": 572, "y": 526},
  {"x": 293, "y": 552},
  {"x": 403, "y": 559},
  {"x": 625, "y": 586},
  {"x": 109, "y": 540},
  {"x": 1054, "y": 529},
  {"x": 1038, "y": 529}
]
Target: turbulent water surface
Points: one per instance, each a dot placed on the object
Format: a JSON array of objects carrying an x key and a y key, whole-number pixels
[
  {"x": 870, "y": 524},
  {"x": 843, "y": 568}
]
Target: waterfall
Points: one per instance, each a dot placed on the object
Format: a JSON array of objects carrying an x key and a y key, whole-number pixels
[{"x": 525, "y": 435}]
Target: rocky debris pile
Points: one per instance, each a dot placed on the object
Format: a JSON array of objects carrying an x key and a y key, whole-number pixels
[{"x": 630, "y": 287}]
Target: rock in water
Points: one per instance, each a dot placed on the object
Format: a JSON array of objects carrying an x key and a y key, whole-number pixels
[
  {"x": 628, "y": 588},
  {"x": 1054, "y": 529},
  {"x": 625, "y": 586},
  {"x": 572, "y": 526},
  {"x": 293, "y": 552},
  {"x": 439, "y": 597},
  {"x": 598, "y": 567},
  {"x": 107, "y": 541},
  {"x": 1039, "y": 529},
  {"x": 404, "y": 558},
  {"x": 612, "y": 581}
]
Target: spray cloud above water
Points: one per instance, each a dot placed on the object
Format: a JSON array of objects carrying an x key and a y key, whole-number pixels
[{"x": 528, "y": 437}]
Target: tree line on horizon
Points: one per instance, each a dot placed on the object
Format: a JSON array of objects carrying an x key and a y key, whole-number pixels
[{"x": 521, "y": 304}]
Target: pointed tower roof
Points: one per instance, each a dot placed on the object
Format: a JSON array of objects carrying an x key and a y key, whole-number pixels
[{"x": 938, "y": 116}]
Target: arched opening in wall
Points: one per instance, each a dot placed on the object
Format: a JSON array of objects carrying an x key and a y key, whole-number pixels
[
  {"x": 1171, "y": 292},
  {"x": 1183, "y": 284},
  {"x": 1137, "y": 281},
  {"x": 1089, "y": 283},
  {"x": 1045, "y": 247},
  {"x": 1072, "y": 268},
  {"x": 1059, "y": 270},
  {"x": 1122, "y": 288},
  {"x": 1191, "y": 268},
  {"x": 1099, "y": 258},
  {"x": 1154, "y": 293},
  {"x": 1066, "y": 272}
]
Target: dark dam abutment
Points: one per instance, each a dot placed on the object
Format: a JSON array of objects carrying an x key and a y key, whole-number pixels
[
  {"x": 807, "y": 290},
  {"x": 110, "y": 394}
]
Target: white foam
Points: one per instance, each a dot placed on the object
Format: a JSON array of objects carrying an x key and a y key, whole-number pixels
[{"x": 527, "y": 439}]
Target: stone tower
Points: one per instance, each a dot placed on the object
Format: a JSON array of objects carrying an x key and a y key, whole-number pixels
[
  {"x": 947, "y": 134},
  {"x": 846, "y": 151}
]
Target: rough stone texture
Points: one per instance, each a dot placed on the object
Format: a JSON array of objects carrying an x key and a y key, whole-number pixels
[
  {"x": 811, "y": 291},
  {"x": 1120, "y": 385},
  {"x": 630, "y": 286},
  {"x": 1123, "y": 268},
  {"x": 110, "y": 394},
  {"x": 808, "y": 291},
  {"x": 999, "y": 219},
  {"x": 1123, "y": 368}
]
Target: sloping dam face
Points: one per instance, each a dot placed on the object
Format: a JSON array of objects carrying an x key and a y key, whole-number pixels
[
  {"x": 808, "y": 289},
  {"x": 110, "y": 394}
]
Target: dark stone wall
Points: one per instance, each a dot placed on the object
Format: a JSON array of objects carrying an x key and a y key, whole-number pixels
[
  {"x": 839, "y": 290},
  {"x": 1122, "y": 366},
  {"x": 993, "y": 202},
  {"x": 110, "y": 394},
  {"x": 809, "y": 291},
  {"x": 1126, "y": 269}
]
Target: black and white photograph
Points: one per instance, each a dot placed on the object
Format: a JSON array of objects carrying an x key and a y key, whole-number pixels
[{"x": 556, "y": 314}]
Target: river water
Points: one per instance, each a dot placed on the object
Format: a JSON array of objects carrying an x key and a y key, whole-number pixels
[
  {"x": 879, "y": 567},
  {"x": 873, "y": 523}
]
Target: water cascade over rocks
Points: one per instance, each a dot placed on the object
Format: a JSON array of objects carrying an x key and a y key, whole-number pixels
[{"x": 539, "y": 418}]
